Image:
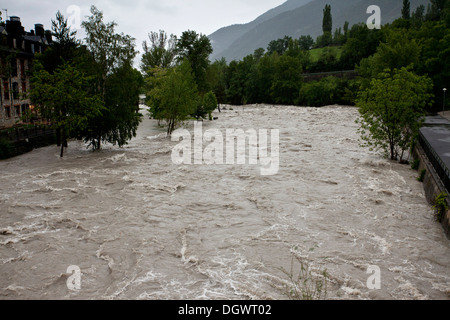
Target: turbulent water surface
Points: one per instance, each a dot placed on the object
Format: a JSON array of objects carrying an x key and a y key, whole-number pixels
[{"x": 141, "y": 227}]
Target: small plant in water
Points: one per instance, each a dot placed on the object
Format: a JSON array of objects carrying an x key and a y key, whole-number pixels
[
  {"x": 440, "y": 206},
  {"x": 304, "y": 284}
]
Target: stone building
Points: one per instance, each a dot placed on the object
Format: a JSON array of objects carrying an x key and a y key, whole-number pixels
[{"x": 17, "y": 50}]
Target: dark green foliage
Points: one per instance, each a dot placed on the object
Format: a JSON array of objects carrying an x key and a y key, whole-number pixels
[
  {"x": 327, "y": 24},
  {"x": 327, "y": 91},
  {"x": 111, "y": 67},
  {"x": 415, "y": 165},
  {"x": 210, "y": 103},
  {"x": 160, "y": 52},
  {"x": 440, "y": 206},
  {"x": 287, "y": 80},
  {"x": 421, "y": 177},
  {"x": 406, "y": 10},
  {"x": 196, "y": 48},
  {"x": 279, "y": 46}
]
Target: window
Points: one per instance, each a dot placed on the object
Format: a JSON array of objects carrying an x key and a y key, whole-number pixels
[
  {"x": 32, "y": 48},
  {"x": 5, "y": 90},
  {"x": 8, "y": 112},
  {"x": 22, "y": 68},
  {"x": 17, "y": 111},
  {"x": 24, "y": 87},
  {"x": 15, "y": 90},
  {"x": 25, "y": 108}
]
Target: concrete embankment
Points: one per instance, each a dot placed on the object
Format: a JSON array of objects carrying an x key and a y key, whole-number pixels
[
  {"x": 433, "y": 151},
  {"x": 17, "y": 141}
]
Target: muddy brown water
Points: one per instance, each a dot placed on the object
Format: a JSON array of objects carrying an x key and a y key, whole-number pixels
[{"x": 141, "y": 227}]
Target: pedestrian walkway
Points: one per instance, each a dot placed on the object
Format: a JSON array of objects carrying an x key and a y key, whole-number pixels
[{"x": 435, "y": 140}]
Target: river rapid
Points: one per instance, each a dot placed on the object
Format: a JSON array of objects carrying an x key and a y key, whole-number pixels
[{"x": 139, "y": 226}]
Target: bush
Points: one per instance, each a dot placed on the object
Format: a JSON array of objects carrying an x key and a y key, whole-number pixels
[
  {"x": 440, "y": 206},
  {"x": 415, "y": 165},
  {"x": 329, "y": 90},
  {"x": 422, "y": 175}
]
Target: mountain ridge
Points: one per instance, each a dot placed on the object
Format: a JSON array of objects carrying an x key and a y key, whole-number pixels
[{"x": 295, "y": 18}]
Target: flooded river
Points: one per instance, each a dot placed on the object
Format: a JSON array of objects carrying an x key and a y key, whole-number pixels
[{"x": 139, "y": 226}]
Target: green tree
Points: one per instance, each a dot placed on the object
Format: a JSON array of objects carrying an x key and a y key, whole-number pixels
[
  {"x": 361, "y": 43},
  {"x": 64, "y": 47},
  {"x": 406, "y": 10},
  {"x": 196, "y": 48},
  {"x": 279, "y": 46},
  {"x": 392, "y": 109},
  {"x": 112, "y": 54},
  {"x": 434, "y": 60},
  {"x": 306, "y": 42},
  {"x": 287, "y": 80},
  {"x": 216, "y": 77},
  {"x": 175, "y": 93},
  {"x": 62, "y": 97},
  {"x": 399, "y": 50},
  {"x": 327, "y": 23},
  {"x": 210, "y": 103},
  {"x": 160, "y": 52}
]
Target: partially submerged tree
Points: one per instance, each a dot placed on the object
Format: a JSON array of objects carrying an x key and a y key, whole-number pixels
[
  {"x": 210, "y": 103},
  {"x": 113, "y": 56},
  {"x": 160, "y": 52},
  {"x": 62, "y": 97},
  {"x": 392, "y": 109},
  {"x": 196, "y": 48},
  {"x": 174, "y": 94}
]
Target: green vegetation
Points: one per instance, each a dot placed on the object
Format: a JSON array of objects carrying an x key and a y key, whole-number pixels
[
  {"x": 440, "y": 206},
  {"x": 318, "y": 53},
  {"x": 304, "y": 284},
  {"x": 174, "y": 96},
  {"x": 421, "y": 177},
  {"x": 415, "y": 165},
  {"x": 79, "y": 88},
  {"x": 392, "y": 108}
]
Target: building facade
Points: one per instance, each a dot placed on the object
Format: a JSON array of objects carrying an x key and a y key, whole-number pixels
[{"x": 17, "y": 50}]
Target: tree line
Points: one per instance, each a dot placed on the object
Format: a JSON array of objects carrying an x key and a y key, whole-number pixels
[
  {"x": 181, "y": 83},
  {"x": 275, "y": 75}
]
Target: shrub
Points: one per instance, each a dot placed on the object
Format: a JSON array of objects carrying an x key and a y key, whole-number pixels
[
  {"x": 422, "y": 175},
  {"x": 415, "y": 165},
  {"x": 440, "y": 206},
  {"x": 327, "y": 91}
]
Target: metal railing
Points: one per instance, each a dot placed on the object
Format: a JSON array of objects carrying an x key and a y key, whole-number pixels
[
  {"x": 23, "y": 133},
  {"x": 438, "y": 165}
]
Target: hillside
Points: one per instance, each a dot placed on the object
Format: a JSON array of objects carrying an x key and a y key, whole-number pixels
[{"x": 295, "y": 18}]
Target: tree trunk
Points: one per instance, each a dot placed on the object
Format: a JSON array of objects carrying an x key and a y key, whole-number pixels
[{"x": 63, "y": 141}]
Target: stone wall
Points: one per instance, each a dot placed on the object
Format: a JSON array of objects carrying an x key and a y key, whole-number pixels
[{"x": 432, "y": 184}]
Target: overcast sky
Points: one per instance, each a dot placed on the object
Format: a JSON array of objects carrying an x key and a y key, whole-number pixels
[{"x": 138, "y": 17}]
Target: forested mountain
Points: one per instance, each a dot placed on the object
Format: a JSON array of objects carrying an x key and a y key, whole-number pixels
[{"x": 295, "y": 18}]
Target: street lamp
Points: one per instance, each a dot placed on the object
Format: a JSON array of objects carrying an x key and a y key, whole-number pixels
[{"x": 445, "y": 91}]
